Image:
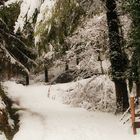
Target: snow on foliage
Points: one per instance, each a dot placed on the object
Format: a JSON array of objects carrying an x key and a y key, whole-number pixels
[
  {"x": 96, "y": 93},
  {"x": 89, "y": 43},
  {"x": 45, "y": 12},
  {"x": 91, "y": 29},
  {"x": 2, "y": 105},
  {"x": 50, "y": 54},
  {"x": 27, "y": 10},
  {"x": 12, "y": 60}
]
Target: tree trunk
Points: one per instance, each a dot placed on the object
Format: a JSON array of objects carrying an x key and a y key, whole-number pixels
[
  {"x": 121, "y": 95},
  {"x": 27, "y": 80},
  {"x": 117, "y": 56},
  {"x": 102, "y": 69},
  {"x": 9, "y": 73},
  {"x": 46, "y": 75},
  {"x": 77, "y": 60},
  {"x": 138, "y": 91},
  {"x": 66, "y": 66}
]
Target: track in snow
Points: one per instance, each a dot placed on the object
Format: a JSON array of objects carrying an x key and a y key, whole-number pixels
[{"x": 44, "y": 119}]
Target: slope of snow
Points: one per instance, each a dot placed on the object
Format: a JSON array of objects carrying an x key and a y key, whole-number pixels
[
  {"x": 44, "y": 119},
  {"x": 96, "y": 93}
]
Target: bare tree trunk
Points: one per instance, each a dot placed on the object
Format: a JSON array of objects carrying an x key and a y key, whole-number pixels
[
  {"x": 27, "y": 80},
  {"x": 138, "y": 91},
  {"x": 66, "y": 66},
  {"x": 9, "y": 71},
  {"x": 77, "y": 60},
  {"x": 101, "y": 64},
  {"x": 121, "y": 95},
  {"x": 46, "y": 74}
]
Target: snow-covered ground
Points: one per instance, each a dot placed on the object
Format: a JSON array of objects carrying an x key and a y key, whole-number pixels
[{"x": 42, "y": 118}]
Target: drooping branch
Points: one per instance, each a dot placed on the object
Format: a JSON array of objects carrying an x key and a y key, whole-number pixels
[
  {"x": 8, "y": 57},
  {"x": 22, "y": 49}
]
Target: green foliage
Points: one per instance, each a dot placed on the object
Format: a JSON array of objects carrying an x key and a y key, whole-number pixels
[
  {"x": 27, "y": 35},
  {"x": 9, "y": 15},
  {"x": 62, "y": 23},
  {"x": 133, "y": 9},
  {"x": 13, "y": 43}
]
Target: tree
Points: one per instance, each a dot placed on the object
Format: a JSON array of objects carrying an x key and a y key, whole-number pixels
[
  {"x": 14, "y": 52},
  {"x": 53, "y": 20},
  {"x": 117, "y": 56},
  {"x": 6, "y": 110},
  {"x": 132, "y": 7}
]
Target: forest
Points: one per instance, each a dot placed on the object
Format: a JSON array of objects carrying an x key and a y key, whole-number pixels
[{"x": 69, "y": 69}]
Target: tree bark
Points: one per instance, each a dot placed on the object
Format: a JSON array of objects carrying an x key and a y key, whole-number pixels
[
  {"x": 138, "y": 92},
  {"x": 77, "y": 60},
  {"x": 66, "y": 66},
  {"x": 9, "y": 73},
  {"x": 27, "y": 80},
  {"x": 121, "y": 95},
  {"x": 46, "y": 75},
  {"x": 117, "y": 57},
  {"x": 138, "y": 89}
]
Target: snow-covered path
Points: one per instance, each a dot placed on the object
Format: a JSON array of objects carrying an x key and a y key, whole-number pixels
[{"x": 44, "y": 119}]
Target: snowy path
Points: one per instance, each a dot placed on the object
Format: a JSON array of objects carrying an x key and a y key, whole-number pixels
[{"x": 44, "y": 119}]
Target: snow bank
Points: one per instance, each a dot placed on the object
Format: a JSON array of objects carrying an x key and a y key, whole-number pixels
[{"x": 96, "y": 93}]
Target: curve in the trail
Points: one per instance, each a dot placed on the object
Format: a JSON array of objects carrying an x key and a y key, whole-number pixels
[{"x": 44, "y": 119}]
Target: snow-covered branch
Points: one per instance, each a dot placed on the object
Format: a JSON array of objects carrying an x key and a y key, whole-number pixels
[{"x": 12, "y": 60}]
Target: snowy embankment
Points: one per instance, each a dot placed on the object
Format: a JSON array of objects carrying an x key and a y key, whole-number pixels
[{"x": 42, "y": 118}]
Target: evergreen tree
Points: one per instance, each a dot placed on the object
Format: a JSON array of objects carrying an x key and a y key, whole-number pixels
[
  {"x": 14, "y": 52},
  {"x": 132, "y": 7},
  {"x": 117, "y": 56}
]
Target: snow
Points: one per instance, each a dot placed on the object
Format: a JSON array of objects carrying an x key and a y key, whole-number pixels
[
  {"x": 42, "y": 118},
  {"x": 2, "y": 105},
  {"x": 91, "y": 29},
  {"x": 43, "y": 19},
  {"x": 2, "y": 136},
  {"x": 13, "y": 60},
  {"x": 48, "y": 6},
  {"x": 27, "y": 10},
  {"x": 96, "y": 93},
  {"x": 49, "y": 55}
]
